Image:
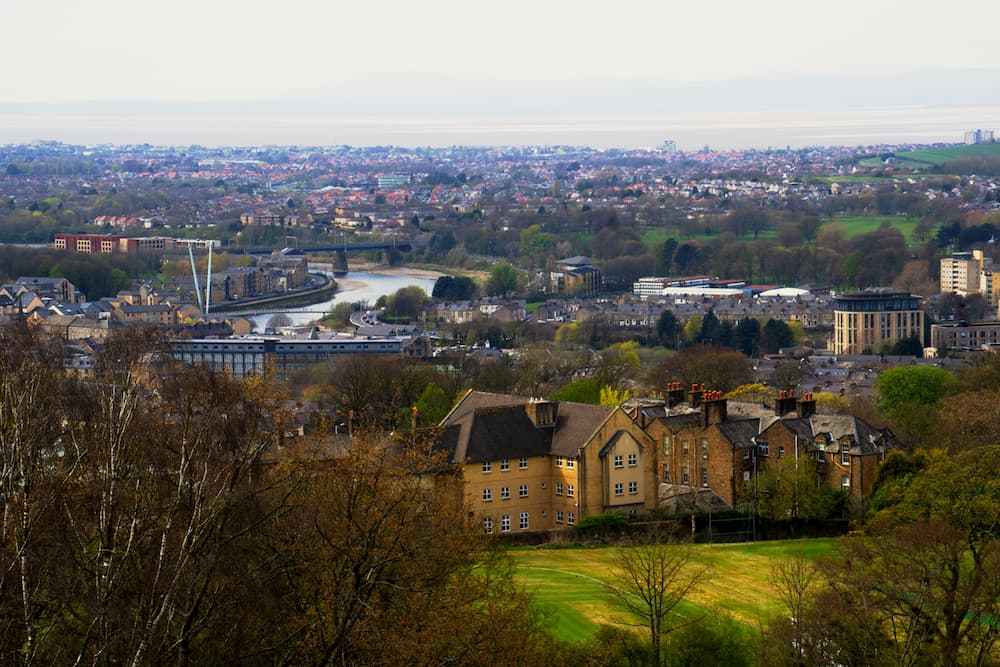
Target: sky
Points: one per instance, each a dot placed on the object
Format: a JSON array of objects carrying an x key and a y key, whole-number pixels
[
  {"x": 442, "y": 72},
  {"x": 216, "y": 50}
]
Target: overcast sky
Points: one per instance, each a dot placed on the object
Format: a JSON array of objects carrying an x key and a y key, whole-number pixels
[{"x": 186, "y": 50}]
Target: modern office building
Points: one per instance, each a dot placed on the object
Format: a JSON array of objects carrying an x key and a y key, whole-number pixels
[{"x": 869, "y": 322}]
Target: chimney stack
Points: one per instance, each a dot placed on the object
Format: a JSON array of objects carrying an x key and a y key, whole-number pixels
[
  {"x": 674, "y": 394},
  {"x": 713, "y": 409},
  {"x": 695, "y": 395},
  {"x": 785, "y": 402},
  {"x": 806, "y": 406}
]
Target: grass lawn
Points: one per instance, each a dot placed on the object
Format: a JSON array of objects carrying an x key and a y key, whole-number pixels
[
  {"x": 569, "y": 583},
  {"x": 864, "y": 224},
  {"x": 942, "y": 155}
]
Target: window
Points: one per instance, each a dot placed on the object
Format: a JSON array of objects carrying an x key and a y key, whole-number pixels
[
  {"x": 487, "y": 466},
  {"x": 632, "y": 460},
  {"x": 570, "y": 518},
  {"x": 505, "y": 493},
  {"x": 845, "y": 483},
  {"x": 569, "y": 490},
  {"x": 505, "y": 523},
  {"x": 570, "y": 463},
  {"x": 488, "y": 525},
  {"x": 684, "y": 446},
  {"x": 619, "y": 461},
  {"x": 845, "y": 455},
  {"x": 559, "y": 516},
  {"x": 522, "y": 491},
  {"x": 704, "y": 448},
  {"x": 504, "y": 465},
  {"x": 685, "y": 476},
  {"x": 487, "y": 495},
  {"x": 781, "y": 451},
  {"x": 559, "y": 461},
  {"x": 558, "y": 488},
  {"x": 746, "y": 477},
  {"x": 522, "y": 463},
  {"x": 633, "y": 488},
  {"x": 746, "y": 454},
  {"x": 619, "y": 488},
  {"x": 666, "y": 444},
  {"x": 704, "y": 476},
  {"x": 523, "y": 523},
  {"x": 762, "y": 448}
]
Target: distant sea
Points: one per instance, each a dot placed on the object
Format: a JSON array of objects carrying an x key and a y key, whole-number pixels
[{"x": 691, "y": 131}]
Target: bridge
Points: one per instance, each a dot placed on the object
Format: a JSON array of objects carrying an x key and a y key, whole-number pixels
[{"x": 339, "y": 252}]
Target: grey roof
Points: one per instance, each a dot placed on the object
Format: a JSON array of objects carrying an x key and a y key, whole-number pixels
[{"x": 740, "y": 432}]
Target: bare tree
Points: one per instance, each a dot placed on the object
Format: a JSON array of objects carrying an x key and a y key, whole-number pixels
[{"x": 650, "y": 580}]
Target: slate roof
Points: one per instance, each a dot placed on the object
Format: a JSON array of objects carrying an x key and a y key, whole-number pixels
[{"x": 740, "y": 431}]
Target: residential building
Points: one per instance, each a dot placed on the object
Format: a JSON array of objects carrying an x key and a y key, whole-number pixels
[
  {"x": 538, "y": 465},
  {"x": 962, "y": 335},
  {"x": 967, "y": 273},
  {"x": 869, "y": 322}
]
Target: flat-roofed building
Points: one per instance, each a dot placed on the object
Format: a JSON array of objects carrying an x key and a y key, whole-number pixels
[{"x": 869, "y": 322}]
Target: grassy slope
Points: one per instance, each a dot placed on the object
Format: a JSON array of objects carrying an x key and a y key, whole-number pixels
[
  {"x": 569, "y": 583},
  {"x": 863, "y": 224}
]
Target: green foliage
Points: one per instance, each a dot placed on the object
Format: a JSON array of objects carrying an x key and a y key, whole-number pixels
[
  {"x": 612, "y": 398},
  {"x": 909, "y": 395},
  {"x": 791, "y": 490},
  {"x": 667, "y": 329},
  {"x": 406, "y": 302},
  {"x": 503, "y": 279},
  {"x": 586, "y": 390},
  {"x": 454, "y": 288},
  {"x": 340, "y": 314},
  {"x": 907, "y": 347},
  {"x": 609, "y": 522},
  {"x": 715, "y": 639}
]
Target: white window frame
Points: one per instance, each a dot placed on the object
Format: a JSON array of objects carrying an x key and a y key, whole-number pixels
[
  {"x": 522, "y": 463},
  {"x": 559, "y": 488},
  {"x": 559, "y": 462},
  {"x": 633, "y": 460},
  {"x": 845, "y": 455},
  {"x": 504, "y": 465},
  {"x": 633, "y": 488},
  {"x": 487, "y": 466},
  {"x": 619, "y": 489},
  {"x": 522, "y": 522},
  {"x": 488, "y": 525},
  {"x": 487, "y": 495},
  {"x": 570, "y": 518},
  {"x": 505, "y": 523},
  {"x": 619, "y": 461},
  {"x": 845, "y": 483},
  {"x": 569, "y": 490},
  {"x": 570, "y": 463},
  {"x": 504, "y": 493},
  {"x": 522, "y": 491},
  {"x": 559, "y": 516}
]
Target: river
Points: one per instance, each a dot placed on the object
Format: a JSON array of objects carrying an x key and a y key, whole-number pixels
[{"x": 354, "y": 287}]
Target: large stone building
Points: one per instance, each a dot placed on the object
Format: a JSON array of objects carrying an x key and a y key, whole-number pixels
[
  {"x": 871, "y": 321},
  {"x": 538, "y": 465}
]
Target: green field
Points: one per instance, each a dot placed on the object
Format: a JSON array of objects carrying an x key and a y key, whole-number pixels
[
  {"x": 863, "y": 224},
  {"x": 922, "y": 159},
  {"x": 568, "y": 584}
]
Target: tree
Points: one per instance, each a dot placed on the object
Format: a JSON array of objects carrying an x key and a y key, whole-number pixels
[
  {"x": 649, "y": 581},
  {"x": 667, "y": 329},
  {"x": 748, "y": 336},
  {"x": 786, "y": 375},
  {"x": 454, "y": 288},
  {"x": 776, "y": 335},
  {"x": 792, "y": 490},
  {"x": 718, "y": 368},
  {"x": 277, "y": 321},
  {"x": 407, "y": 302},
  {"x": 927, "y": 568},
  {"x": 503, "y": 279},
  {"x": 909, "y": 395}
]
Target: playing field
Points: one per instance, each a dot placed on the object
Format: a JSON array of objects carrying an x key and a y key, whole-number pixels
[
  {"x": 569, "y": 583},
  {"x": 863, "y": 224}
]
